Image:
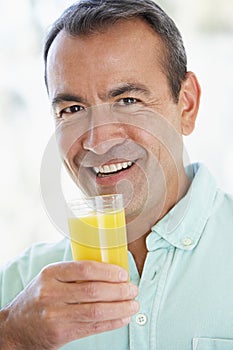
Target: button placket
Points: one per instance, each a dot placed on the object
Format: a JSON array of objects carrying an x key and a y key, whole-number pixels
[{"x": 140, "y": 327}]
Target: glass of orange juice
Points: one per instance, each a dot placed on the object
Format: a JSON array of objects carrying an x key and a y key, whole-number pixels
[{"x": 97, "y": 229}]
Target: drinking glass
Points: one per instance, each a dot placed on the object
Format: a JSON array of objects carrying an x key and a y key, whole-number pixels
[{"x": 97, "y": 229}]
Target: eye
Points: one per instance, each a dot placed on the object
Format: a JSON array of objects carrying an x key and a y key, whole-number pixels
[
  {"x": 127, "y": 101},
  {"x": 71, "y": 110}
]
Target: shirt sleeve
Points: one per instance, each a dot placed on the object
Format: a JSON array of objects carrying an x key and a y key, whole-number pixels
[
  {"x": 10, "y": 283},
  {"x": 18, "y": 273}
]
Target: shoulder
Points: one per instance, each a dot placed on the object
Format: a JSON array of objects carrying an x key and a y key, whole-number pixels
[
  {"x": 18, "y": 272},
  {"x": 223, "y": 205},
  {"x": 220, "y": 221},
  {"x": 218, "y": 205},
  {"x": 40, "y": 254}
]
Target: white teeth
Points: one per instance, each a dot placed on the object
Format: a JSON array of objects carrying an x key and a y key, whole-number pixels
[
  {"x": 97, "y": 170},
  {"x": 106, "y": 169},
  {"x": 111, "y": 168}
]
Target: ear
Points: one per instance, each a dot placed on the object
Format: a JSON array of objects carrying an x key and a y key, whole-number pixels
[{"x": 189, "y": 100}]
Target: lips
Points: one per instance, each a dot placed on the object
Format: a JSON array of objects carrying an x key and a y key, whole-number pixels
[{"x": 109, "y": 169}]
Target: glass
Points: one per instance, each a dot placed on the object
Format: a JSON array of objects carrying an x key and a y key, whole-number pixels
[{"x": 97, "y": 229}]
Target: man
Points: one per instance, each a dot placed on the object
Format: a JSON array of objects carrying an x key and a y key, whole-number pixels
[{"x": 122, "y": 99}]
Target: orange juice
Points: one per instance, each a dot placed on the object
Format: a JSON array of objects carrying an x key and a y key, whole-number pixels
[{"x": 100, "y": 237}]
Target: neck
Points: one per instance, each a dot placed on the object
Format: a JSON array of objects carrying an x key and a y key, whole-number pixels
[
  {"x": 138, "y": 247},
  {"x": 139, "y": 251}
]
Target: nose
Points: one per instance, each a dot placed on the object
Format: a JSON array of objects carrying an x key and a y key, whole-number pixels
[{"x": 104, "y": 131}]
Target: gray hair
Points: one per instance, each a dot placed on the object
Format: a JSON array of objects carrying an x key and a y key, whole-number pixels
[{"x": 90, "y": 16}]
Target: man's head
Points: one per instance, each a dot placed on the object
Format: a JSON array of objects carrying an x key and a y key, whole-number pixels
[
  {"x": 90, "y": 16},
  {"x": 121, "y": 101}
]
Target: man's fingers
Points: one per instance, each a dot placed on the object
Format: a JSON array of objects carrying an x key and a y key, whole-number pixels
[
  {"x": 85, "y": 292},
  {"x": 97, "y": 312},
  {"x": 104, "y": 326},
  {"x": 84, "y": 329},
  {"x": 75, "y": 271}
]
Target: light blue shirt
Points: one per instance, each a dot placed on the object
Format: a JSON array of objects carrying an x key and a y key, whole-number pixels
[{"x": 186, "y": 288}]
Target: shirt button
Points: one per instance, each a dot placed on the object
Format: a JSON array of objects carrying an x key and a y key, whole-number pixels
[
  {"x": 141, "y": 319},
  {"x": 187, "y": 241}
]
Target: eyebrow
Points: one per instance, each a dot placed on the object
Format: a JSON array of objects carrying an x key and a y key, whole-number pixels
[
  {"x": 118, "y": 91},
  {"x": 66, "y": 97},
  {"x": 128, "y": 88}
]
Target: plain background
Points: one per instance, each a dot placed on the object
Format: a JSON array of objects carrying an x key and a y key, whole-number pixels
[{"x": 26, "y": 124}]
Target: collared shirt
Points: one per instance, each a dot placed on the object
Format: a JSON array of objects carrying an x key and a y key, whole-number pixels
[{"x": 186, "y": 288}]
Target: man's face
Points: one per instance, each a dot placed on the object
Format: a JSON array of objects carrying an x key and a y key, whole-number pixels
[{"x": 117, "y": 125}]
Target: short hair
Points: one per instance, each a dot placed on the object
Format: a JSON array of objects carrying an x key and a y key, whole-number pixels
[{"x": 90, "y": 16}]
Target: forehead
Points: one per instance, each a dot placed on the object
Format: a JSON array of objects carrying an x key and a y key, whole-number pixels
[
  {"x": 135, "y": 29},
  {"x": 128, "y": 45}
]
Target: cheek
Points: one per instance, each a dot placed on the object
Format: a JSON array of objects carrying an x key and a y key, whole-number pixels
[
  {"x": 152, "y": 130},
  {"x": 164, "y": 149},
  {"x": 145, "y": 139},
  {"x": 69, "y": 136}
]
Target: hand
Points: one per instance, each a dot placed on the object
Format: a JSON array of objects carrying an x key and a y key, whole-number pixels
[{"x": 68, "y": 301}]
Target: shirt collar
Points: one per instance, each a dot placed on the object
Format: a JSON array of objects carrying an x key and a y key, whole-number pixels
[{"x": 183, "y": 225}]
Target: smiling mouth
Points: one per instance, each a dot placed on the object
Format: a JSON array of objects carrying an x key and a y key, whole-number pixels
[{"x": 112, "y": 169}]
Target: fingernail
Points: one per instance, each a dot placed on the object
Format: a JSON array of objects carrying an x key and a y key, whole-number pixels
[
  {"x": 123, "y": 275},
  {"x": 126, "y": 320}
]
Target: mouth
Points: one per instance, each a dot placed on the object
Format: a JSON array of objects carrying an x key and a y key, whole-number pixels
[{"x": 111, "y": 169}]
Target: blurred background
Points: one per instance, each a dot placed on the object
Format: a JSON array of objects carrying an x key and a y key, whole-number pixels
[{"x": 26, "y": 124}]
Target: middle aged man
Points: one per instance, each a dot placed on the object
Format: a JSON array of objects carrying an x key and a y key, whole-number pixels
[{"x": 122, "y": 99}]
